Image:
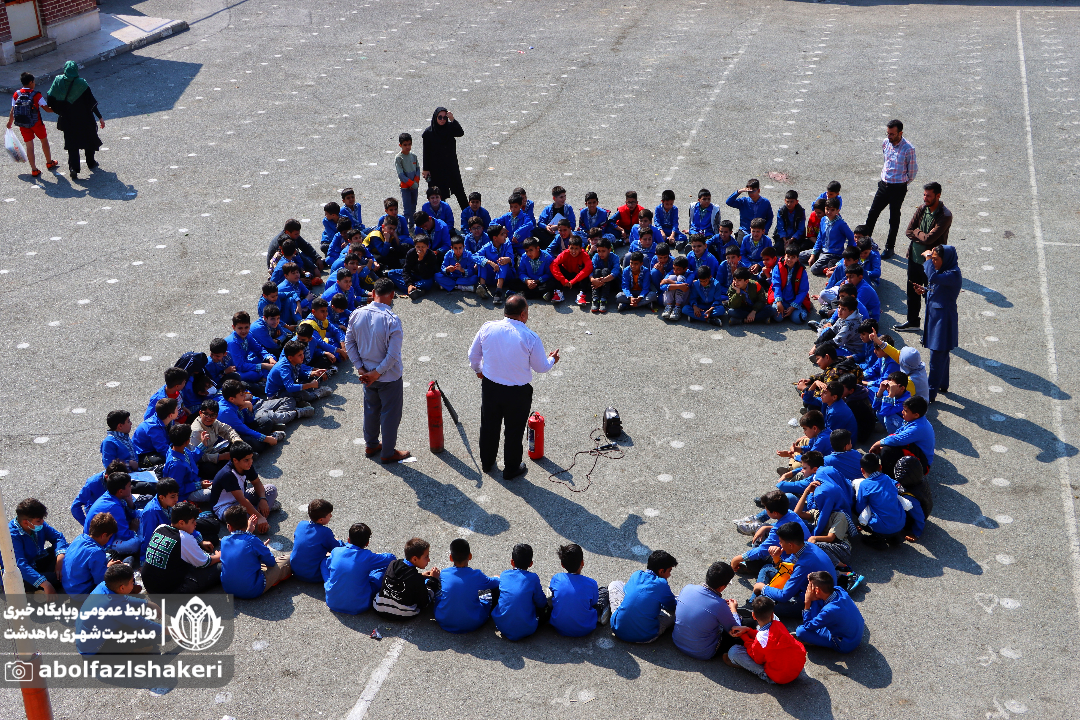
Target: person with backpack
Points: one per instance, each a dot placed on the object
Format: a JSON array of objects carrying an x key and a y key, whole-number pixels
[
  {"x": 73, "y": 100},
  {"x": 26, "y": 106}
]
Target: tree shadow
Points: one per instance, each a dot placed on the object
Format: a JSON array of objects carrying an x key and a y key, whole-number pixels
[
  {"x": 573, "y": 522},
  {"x": 1049, "y": 445},
  {"x": 448, "y": 502},
  {"x": 1013, "y": 375}
]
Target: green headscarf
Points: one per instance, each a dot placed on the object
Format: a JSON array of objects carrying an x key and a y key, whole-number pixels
[{"x": 69, "y": 86}]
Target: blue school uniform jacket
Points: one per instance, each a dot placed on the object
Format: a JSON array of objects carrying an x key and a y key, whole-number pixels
[
  {"x": 352, "y": 215},
  {"x": 238, "y": 419},
  {"x": 467, "y": 215},
  {"x": 872, "y": 268},
  {"x": 706, "y": 297},
  {"x": 636, "y": 619},
  {"x": 151, "y": 437},
  {"x": 113, "y": 448},
  {"x": 706, "y": 257},
  {"x": 839, "y": 616},
  {"x": 867, "y": 295},
  {"x": 121, "y": 512},
  {"x": 268, "y": 343},
  {"x": 551, "y": 211},
  {"x": 488, "y": 251},
  {"x": 443, "y": 212},
  {"x": 150, "y": 517},
  {"x": 761, "y": 552},
  {"x": 440, "y": 236},
  {"x": 635, "y": 242},
  {"x": 159, "y": 395},
  {"x": 839, "y": 199},
  {"x": 751, "y": 253},
  {"x": 311, "y": 543},
  {"x": 521, "y": 597},
  {"x": 337, "y": 245},
  {"x": 296, "y": 293},
  {"x": 835, "y": 493},
  {"x": 820, "y": 442},
  {"x": 725, "y": 274},
  {"x": 889, "y": 408},
  {"x": 242, "y": 555},
  {"x": 666, "y": 220},
  {"x": 542, "y": 273},
  {"x": 247, "y": 354},
  {"x": 880, "y": 369},
  {"x": 790, "y": 223},
  {"x": 918, "y": 432},
  {"x": 92, "y": 628},
  {"x": 352, "y": 576},
  {"x": 846, "y": 463},
  {"x": 611, "y": 264},
  {"x": 91, "y": 490},
  {"x": 704, "y": 221},
  {"x": 809, "y": 559},
  {"x": 833, "y": 237},
  {"x": 84, "y": 565},
  {"x": 519, "y": 229},
  {"x": 878, "y": 492},
  {"x": 458, "y": 608},
  {"x": 838, "y": 416},
  {"x": 287, "y": 307},
  {"x": 573, "y": 604},
  {"x": 468, "y": 266},
  {"x": 216, "y": 370},
  {"x": 284, "y": 379},
  {"x": 183, "y": 467},
  {"x": 402, "y": 227},
  {"x": 645, "y": 278},
  {"x": 29, "y": 547},
  {"x": 749, "y": 210},
  {"x": 601, "y": 219},
  {"x": 329, "y": 229},
  {"x": 350, "y": 294}
]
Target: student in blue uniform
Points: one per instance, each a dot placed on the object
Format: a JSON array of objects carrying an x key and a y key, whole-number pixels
[
  {"x": 700, "y": 256},
  {"x": 644, "y": 238},
  {"x": 703, "y": 617},
  {"x": 437, "y": 232},
  {"x": 94, "y": 487},
  {"x": 344, "y": 284},
  {"x": 460, "y": 608},
  {"x": 495, "y": 260},
  {"x": 559, "y": 209},
  {"x": 294, "y": 290},
  {"x": 837, "y": 414},
  {"x": 156, "y": 512},
  {"x": 705, "y": 218},
  {"x": 339, "y": 312},
  {"x": 522, "y": 604},
  {"x": 252, "y": 362},
  {"x": 877, "y": 506},
  {"x": 518, "y": 223},
  {"x": 476, "y": 235},
  {"x": 350, "y": 209},
  {"x": 666, "y": 218},
  {"x": 561, "y": 239},
  {"x": 843, "y": 458},
  {"x": 110, "y": 612},
  {"x": 753, "y": 243},
  {"x": 268, "y": 333},
  {"x": 474, "y": 210},
  {"x": 637, "y": 284},
  {"x": 868, "y": 256},
  {"x": 577, "y": 603},
  {"x": 830, "y": 618},
  {"x": 458, "y": 269},
  {"x": 85, "y": 560},
  {"x": 117, "y": 444},
  {"x": 288, "y": 255},
  {"x": 439, "y": 209},
  {"x": 290, "y": 310},
  {"x": 397, "y": 220},
  {"x": 312, "y": 541},
  {"x": 790, "y": 227},
  {"x": 340, "y": 241},
  {"x": 41, "y": 567},
  {"x": 779, "y": 508},
  {"x": 606, "y": 278},
  {"x": 806, "y": 558},
  {"x": 915, "y": 437},
  {"x": 643, "y": 608},
  {"x": 864, "y": 291},
  {"x": 833, "y": 236},
  {"x": 331, "y": 217},
  {"x": 175, "y": 380},
  {"x": 534, "y": 272},
  {"x": 706, "y": 298},
  {"x": 236, "y": 408},
  {"x": 117, "y": 502},
  {"x": 151, "y": 439},
  {"x": 248, "y": 568},
  {"x": 725, "y": 273},
  {"x": 352, "y": 574},
  {"x": 593, "y": 216},
  {"x": 832, "y": 190},
  {"x": 291, "y": 378},
  {"x": 889, "y": 401},
  {"x": 662, "y": 264},
  {"x": 752, "y": 206},
  {"x": 182, "y": 464}
]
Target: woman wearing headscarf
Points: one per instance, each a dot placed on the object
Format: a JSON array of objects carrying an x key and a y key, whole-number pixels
[
  {"x": 941, "y": 331},
  {"x": 73, "y": 100},
  {"x": 440, "y": 163}
]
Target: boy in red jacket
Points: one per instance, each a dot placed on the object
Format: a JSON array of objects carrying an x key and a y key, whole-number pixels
[
  {"x": 770, "y": 652},
  {"x": 571, "y": 270},
  {"x": 626, "y": 216}
]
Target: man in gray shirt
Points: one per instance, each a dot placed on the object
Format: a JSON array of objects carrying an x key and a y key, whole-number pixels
[{"x": 373, "y": 342}]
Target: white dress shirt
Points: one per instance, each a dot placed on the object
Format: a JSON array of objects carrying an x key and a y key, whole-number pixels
[{"x": 507, "y": 352}]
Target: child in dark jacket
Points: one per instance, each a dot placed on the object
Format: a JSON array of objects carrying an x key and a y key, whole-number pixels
[{"x": 408, "y": 587}]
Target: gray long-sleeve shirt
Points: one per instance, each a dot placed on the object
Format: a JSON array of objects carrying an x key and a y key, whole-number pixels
[{"x": 373, "y": 341}]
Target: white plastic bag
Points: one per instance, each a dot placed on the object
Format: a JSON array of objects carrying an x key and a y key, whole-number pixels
[{"x": 14, "y": 145}]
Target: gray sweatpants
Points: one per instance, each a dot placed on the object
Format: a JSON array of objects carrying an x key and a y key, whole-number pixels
[{"x": 382, "y": 410}]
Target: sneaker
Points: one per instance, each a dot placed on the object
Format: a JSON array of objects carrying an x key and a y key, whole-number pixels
[
  {"x": 622, "y": 306},
  {"x": 668, "y": 309},
  {"x": 323, "y": 393},
  {"x": 481, "y": 291},
  {"x": 275, "y": 507},
  {"x": 595, "y": 306},
  {"x": 558, "y": 296},
  {"x": 548, "y": 296},
  {"x": 748, "y": 526},
  {"x": 814, "y": 324},
  {"x": 716, "y": 321},
  {"x": 783, "y": 470},
  {"x": 279, "y": 435},
  {"x": 603, "y": 307},
  {"x": 581, "y": 299},
  {"x": 305, "y": 413},
  {"x": 331, "y": 371},
  {"x": 498, "y": 299},
  {"x": 605, "y": 616},
  {"x": 416, "y": 293},
  {"x": 856, "y": 582},
  {"x": 676, "y": 313}
]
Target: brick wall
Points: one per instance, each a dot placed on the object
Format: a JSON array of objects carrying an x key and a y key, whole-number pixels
[
  {"x": 55, "y": 10},
  {"x": 5, "y": 29}
]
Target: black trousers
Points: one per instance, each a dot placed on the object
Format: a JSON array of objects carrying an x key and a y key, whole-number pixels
[
  {"x": 891, "y": 195},
  {"x": 507, "y": 407},
  {"x": 916, "y": 274},
  {"x": 73, "y": 160}
]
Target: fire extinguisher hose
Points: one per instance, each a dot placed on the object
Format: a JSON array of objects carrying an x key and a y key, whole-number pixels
[{"x": 446, "y": 402}]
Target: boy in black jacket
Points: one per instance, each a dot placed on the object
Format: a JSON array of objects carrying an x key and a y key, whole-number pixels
[
  {"x": 408, "y": 587},
  {"x": 421, "y": 264}
]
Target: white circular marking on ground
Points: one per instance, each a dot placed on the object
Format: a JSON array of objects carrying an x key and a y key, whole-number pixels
[
  {"x": 677, "y": 444},
  {"x": 569, "y": 349},
  {"x": 54, "y": 323},
  {"x": 336, "y": 473},
  {"x": 651, "y": 512},
  {"x": 991, "y": 363},
  {"x": 222, "y": 291},
  {"x": 84, "y": 301},
  {"x": 1005, "y": 559},
  {"x": 996, "y": 388},
  {"x": 989, "y": 313},
  {"x": 78, "y": 411},
  {"x": 1004, "y": 519},
  {"x": 259, "y": 645},
  {"x": 556, "y": 373},
  {"x": 999, "y": 448},
  {"x": 137, "y": 262},
  {"x": 688, "y": 415},
  {"x": 112, "y": 384},
  {"x": 998, "y": 418},
  {"x": 32, "y": 253},
  {"x": 199, "y": 312},
  {"x": 665, "y": 478},
  {"x": 81, "y": 222},
  {"x": 423, "y": 358},
  {"x": 640, "y": 550},
  {"x": 605, "y": 643},
  {"x": 183, "y": 230},
  {"x": 1009, "y": 603},
  {"x": 56, "y": 238},
  {"x": 1000, "y": 482},
  {"x": 23, "y": 346},
  {"x": 696, "y": 388},
  {"x": 223, "y": 697},
  {"x": 41, "y": 440},
  {"x": 160, "y": 247},
  {"x": 987, "y": 267},
  {"x": 1011, "y": 654},
  {"x": 705, "y": 361},
  {"x": 991, "y": 338},
  {"x": 4, "y": 473},
  {"x": 440, "y": 335}
]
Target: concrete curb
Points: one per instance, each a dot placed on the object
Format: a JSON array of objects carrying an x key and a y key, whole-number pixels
[{"x": 174, "y": 27}]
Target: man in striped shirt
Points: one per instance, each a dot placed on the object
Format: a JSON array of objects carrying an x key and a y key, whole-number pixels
[{"x": 898, "y": 170}]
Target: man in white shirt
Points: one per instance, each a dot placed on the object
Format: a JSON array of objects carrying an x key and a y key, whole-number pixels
[{"x": 504, "y": 355}]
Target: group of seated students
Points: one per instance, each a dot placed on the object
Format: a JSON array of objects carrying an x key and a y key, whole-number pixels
[{"x": 202, "y": 430}]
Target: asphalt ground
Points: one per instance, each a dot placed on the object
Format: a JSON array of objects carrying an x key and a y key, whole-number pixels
[{"x": 263, "y": 112}]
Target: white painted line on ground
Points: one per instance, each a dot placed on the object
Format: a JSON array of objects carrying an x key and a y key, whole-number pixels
[
  {"x": 374, "y": 683},
  {"x": 1062, "y": 244},
  {"x": 1048, "y": 330}
]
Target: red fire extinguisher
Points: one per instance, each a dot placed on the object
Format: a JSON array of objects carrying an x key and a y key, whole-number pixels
[
  {"x": 536, "y": 436},
  {"x": 434, "y": 418}
]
